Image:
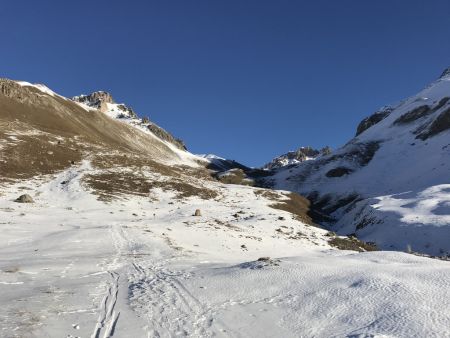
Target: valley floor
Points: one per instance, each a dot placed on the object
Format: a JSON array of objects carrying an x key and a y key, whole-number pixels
[{"x": 73, "y": 266}]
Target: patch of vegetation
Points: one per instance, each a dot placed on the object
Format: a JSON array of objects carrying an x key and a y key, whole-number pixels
[
  {"x": 110, "y": 185},
  {"x": 352, "y": 243},
  {"x": 269, "y": 194},
  {"x": 185, "y": 190},
  {"x": 33, "y": 155},
  {"x": 235, "y": 176},
  {"x": 297, "y": 205}
]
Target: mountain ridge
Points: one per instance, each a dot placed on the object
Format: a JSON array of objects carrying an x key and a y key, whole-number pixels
[{"x": 297, "y": 156}]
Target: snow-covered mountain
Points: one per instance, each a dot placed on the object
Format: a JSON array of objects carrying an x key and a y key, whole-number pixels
[
  {"x": 295, "y": 157},
  {"x": 126, "y": 234},
  {"x": 390, "y": 183}
]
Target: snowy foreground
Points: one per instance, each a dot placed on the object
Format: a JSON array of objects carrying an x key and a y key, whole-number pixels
[{"x": 73, "y": 266}]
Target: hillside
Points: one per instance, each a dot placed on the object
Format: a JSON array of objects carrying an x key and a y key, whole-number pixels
[{"x": 389, "y": 184}]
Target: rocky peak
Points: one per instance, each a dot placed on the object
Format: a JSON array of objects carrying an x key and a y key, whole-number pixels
[
  {"x": 445, "y": 73},
  {"x": 98, "y": 100},
  {"x": 104, "y": 102}
]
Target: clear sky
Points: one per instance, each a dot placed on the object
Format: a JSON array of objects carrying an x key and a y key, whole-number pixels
[{"x": 246, "y": 80}]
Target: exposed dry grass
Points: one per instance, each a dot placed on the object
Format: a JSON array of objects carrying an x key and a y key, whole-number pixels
[
  {"x": 25, "y": 109},
  {"x": 111, "y": 185},
  {"x": 269, "y": 194},
  {"x": 352, "y": 243},
  {"x": 295, "y": 204},
  {"x": 185, "y": 190},
  {"x": 236, "y": 176},
  {"x": 33, "y": 155}
]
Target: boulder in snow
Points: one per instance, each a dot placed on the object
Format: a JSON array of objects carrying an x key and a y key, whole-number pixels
[{"x": 25, "y": 198}]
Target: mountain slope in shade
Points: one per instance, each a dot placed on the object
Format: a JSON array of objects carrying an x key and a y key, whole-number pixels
[{"x": 389, "y": 184}]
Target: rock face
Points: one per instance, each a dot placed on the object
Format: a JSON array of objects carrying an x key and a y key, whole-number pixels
[
  {"x": 445, "y": 73},
  {"x": 96, "y": 100},
  {"x": 439, "y": 125},
  {"x": 9, "y": 88},
  {"x": 373, "y": 119},
  {"x": 29, "y": 94},
  {"x": 103, "y": 101},
  {"x": 413, "y": 115},
  {"x": 25, "y": 198},
  {"x": 294, "y": 157},
  {"x": 166, "y": 136}
]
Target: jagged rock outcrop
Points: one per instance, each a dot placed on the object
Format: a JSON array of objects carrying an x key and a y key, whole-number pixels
[
  {"x": 9, "y": 88},
  {"x": 21, "y": 93},
  {"x": 104, "y": 102},
  {"x": 166, "y": 136},
  {"x": 440, "y": 124},
  {"x": 445, "y": 73},
  {"x": 373, "y": 119}
]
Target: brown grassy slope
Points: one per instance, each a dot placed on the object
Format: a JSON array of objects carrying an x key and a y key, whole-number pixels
[{"x": 41, "y": 134}]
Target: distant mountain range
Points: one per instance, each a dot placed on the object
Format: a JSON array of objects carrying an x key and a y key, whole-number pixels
[{"x": 300, "y": 155}]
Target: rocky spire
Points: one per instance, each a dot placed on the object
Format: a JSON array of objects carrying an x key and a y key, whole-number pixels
[{"x": 98, "y": 100}]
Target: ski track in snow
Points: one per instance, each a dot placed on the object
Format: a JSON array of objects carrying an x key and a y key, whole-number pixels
[
  {"x": 108, "y": 317},
  {"x": 89, "y": 269}
]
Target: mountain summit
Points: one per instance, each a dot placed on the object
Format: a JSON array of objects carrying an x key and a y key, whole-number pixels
[{"x": 104, "y": 102}]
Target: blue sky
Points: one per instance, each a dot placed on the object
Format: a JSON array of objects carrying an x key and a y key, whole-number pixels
[{"x": 246, "y": 80}]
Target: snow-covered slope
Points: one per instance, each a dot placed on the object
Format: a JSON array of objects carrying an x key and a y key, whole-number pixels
[
  {"x": 220, "y": 164},
  {"x": 388, "y": 184},
  {"x": 142, "y": 265}
]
